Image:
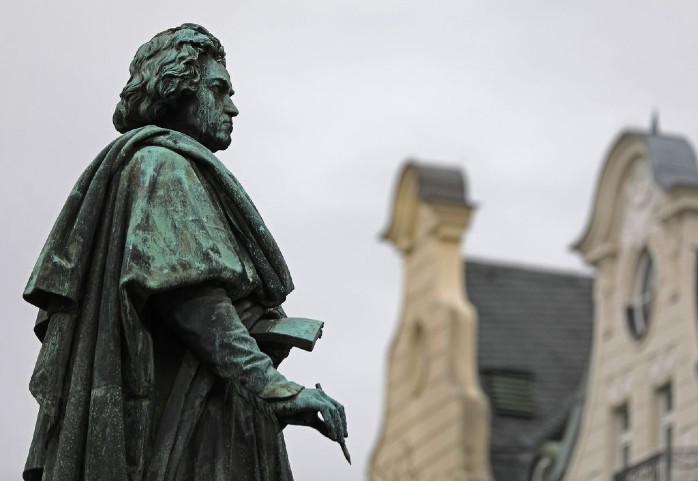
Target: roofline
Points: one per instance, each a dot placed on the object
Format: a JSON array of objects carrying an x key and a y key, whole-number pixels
[
  {"x": 522, "y": 266},
  {"x": 649, "y": 142}
]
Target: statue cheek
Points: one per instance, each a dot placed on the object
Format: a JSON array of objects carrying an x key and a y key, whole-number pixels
[{"x": 203, "y": 117}]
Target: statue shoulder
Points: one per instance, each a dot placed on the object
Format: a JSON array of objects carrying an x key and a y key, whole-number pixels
[
  {"x": 156, "y": 158},
  {"x": 156, "y": 166}
]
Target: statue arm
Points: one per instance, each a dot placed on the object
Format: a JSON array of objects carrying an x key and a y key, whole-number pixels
[
  {"x": 250, "y": 313},
  {"x": 203, "y": 316},
  {"x": 193, "y": 292}
]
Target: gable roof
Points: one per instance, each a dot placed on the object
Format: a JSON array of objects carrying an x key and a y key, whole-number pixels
[
  {"x": 440, "y": 182},
  {"x": 423, "y": 184},
  {"x": 537, "y": 322},
  {"x": 673, "y": 160}
]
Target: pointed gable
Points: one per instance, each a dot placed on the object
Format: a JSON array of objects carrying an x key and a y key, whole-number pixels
[{"x": 671, "y": 163}]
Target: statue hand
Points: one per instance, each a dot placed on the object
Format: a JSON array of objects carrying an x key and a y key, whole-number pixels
[{"x": 303, "y": 410}]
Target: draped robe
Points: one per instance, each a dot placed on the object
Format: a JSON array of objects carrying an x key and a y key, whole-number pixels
[{"x": 157, "y": 247}]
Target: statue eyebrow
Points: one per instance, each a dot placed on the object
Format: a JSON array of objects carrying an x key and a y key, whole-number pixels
[{"x": 224, "y": 81}]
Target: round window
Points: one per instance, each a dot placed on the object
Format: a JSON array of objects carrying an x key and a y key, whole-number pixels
[{"x": 640, "y": 308}]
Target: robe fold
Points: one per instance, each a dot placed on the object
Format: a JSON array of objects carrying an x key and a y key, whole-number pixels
[{"x": 155, "y": 212}]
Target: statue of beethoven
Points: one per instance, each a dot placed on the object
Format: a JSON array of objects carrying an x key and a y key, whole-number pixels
[{"x": 149, "y": 286}]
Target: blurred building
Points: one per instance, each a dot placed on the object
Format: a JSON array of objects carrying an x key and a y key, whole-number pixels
[{"x": 511, "y": 373}]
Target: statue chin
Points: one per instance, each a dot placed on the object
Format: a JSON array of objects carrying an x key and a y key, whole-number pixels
[
  {"x": 214, "y": 142},
  {"x": 220, "y": 144}
]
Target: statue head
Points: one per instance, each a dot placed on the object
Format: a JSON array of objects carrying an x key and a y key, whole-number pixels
[{"x": 179, "y": 81}]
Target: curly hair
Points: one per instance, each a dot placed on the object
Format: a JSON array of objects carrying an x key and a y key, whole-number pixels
[{"x": 164, "y": 69}]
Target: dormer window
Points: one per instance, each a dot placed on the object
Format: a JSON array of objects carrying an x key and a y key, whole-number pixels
[
  {"x": 511, "y": 392},
  {"x": 640, "y": 309}
]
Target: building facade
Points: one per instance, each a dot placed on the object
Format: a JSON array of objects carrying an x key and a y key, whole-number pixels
[
  {"x": 640, "y": 416},
  {"x": 436, "y": 419},
  {"x": 513, "y": 373}
]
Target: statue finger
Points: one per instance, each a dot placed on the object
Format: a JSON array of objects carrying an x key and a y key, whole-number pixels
[
  {"x": 329, "y": 418},
  {"x": 310, "y": 419},
  {"x": 320, "y": 426},
  {"x": 338, "y": 421},
  {"x": 342, "y": 416}
]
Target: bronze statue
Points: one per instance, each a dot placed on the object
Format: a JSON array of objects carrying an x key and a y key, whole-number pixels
[{"x": 151, "y": 286}]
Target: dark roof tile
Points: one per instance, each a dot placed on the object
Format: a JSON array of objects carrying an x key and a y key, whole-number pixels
[
  {"x": 439, "y": 182},
  {"x": 533, "y": 321}
]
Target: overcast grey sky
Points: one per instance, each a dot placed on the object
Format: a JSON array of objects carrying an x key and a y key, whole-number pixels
[{"x": 526, "y": 96}]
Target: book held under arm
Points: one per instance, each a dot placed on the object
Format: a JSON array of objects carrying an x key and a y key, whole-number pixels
[{"x": 297, "y": 332}]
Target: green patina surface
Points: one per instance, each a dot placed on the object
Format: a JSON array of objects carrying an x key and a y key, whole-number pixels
[{"x": 154, "y": 273}]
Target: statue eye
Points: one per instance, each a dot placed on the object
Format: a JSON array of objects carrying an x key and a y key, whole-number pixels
[{"x": 219, "y": 88}]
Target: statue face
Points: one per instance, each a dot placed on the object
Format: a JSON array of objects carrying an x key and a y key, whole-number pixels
[{"x": 207, "y": 115}]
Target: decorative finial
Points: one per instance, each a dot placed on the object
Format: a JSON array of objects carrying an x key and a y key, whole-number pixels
[{"x": 654, "y": 125}]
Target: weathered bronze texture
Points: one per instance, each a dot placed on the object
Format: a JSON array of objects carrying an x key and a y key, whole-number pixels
[{"x": 155, "y": 274}]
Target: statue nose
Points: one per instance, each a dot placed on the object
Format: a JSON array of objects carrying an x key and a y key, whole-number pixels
[{"x": 231, "y": 109}]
